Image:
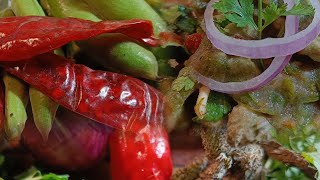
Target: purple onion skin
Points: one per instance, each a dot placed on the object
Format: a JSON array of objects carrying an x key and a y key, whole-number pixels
[{"x": 74, "y": 143}]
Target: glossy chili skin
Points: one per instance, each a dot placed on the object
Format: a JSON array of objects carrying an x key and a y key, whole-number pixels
[
  {"x": 142, "y": 155},
  {"x": 27, "y": 36},
  {"x": 113, "y": 99}
]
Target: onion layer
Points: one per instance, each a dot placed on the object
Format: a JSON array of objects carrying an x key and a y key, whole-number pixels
[
  {"x": 277, "y": 65},
  {"x": 75, "y": 142},
  {"x": 266, "y": 48}
]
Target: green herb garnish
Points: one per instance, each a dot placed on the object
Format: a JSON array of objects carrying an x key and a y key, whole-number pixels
[
  {"x": 34, "y": 174},
  {"x": 183, "y": 83},
  {"x": 314, "y": 158},
  {"x": 218, "y": 106},
  {"x": 241, "y": 12}
]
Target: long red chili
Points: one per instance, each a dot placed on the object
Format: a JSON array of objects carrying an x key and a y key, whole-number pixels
[
  {"x": 141, "y": 155},
  {"x": 27, "y": 36},
  {"x": 113, "y": 99}
]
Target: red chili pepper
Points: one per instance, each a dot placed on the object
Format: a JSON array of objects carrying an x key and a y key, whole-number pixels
[
  {"x": 113, "y": 99},
  {"x": 142, "y": 155},
  {"x": 27, "y": 36},
  {"x": 192, "y": 42}
]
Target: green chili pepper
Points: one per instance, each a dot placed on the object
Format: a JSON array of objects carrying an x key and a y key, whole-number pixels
[
  {"x": 114, "y": 52},
  {"x": 16, "y": 100}
]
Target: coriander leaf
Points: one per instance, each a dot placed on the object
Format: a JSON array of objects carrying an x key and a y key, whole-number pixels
[
  {"x": 240, "y": 22},
  {"x": 182, "y": 83},
  {"x": 239, "y": 12},
  {"x": 223, "y": 6},
  {"x": 271, "y": 13},
  {"x": 218, "y": 106},
  {"x": 300, "y": 10}
]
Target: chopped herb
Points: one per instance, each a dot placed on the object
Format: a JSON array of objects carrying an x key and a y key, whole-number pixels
[
  {"x": 300, "y": 10},
  {"x": 314, "y": 158},
  {"x": 183, "y": 83},
  {"x": 278, "y": 170},
  {"x": 218, "y": 106},
  {"x": 34, "y": 174},
  {"x": 271, "y": 13},
  {"x": 241, "y": 12}
]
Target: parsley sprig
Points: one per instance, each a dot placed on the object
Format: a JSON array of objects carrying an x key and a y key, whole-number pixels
[{"x": 241, "y": 12}]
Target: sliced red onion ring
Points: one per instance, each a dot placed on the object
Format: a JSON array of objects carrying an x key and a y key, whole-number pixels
[
  {"x": 266, "y": 48},
  {"x": 268, "y": 75},
  {"x": 277, "y": 65}
]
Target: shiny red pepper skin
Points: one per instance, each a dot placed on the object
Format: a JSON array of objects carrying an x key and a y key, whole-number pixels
[
  {"x": 142, "y": 155},
  {"x": 113, "y": 99},
  {"x": 27, "y": 36}
]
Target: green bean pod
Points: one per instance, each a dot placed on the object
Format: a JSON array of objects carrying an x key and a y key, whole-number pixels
[
  {"x": 135, "y": 9},
  {"x": 27, "y": 7},
  {"x": 4, "y": 13},
  {"x": 114, "y": 51},
  {"x": 16, "y": 100},
  {"x": 43, "y": 108},
  {"x": 121, "y": 55},
  {"x": 44, "y": 111},
  {"x": 68, "y": 8},
  {"x": 128, "y": 9}
]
